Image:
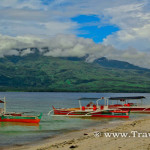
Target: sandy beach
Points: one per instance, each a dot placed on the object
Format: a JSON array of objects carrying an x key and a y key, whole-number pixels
[{"x": 137, "y": 134}]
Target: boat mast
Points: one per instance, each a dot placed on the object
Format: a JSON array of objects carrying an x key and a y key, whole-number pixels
[
  {"x": 142, "y": 101},
  {"x": 4, "y": 105},
  {"x": 80, "y": 104}
]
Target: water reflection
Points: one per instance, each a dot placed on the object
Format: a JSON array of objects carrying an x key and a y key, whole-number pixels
[{"x": 5, "y": 124}]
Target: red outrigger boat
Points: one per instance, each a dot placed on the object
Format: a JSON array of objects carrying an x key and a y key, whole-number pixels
[
  {"x": 130, "y": 104},
  {"x": 16, "y": 117},
  {"x": 91, "y": 110}
]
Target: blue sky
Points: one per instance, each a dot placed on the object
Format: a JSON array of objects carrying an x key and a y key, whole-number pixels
[
  {"x": 90, "y": 28},
  {"x": 117, "y": 29},
  {"x": 117, "y": 23}
]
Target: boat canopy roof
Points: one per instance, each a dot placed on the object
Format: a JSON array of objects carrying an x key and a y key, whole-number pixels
[
  {"x": 1, "y": 101},
  {"x": 127, "y": 98},
  {"x": 87, "y": 98}
]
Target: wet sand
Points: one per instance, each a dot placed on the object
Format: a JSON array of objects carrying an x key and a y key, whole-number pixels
[{"x": 136, "y": 130}]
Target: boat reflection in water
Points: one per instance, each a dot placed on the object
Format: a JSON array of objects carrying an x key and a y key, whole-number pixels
[{"x": 5, "y": 124}]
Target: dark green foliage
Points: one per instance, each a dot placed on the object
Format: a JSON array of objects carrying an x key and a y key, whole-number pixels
[
  {"x": 116, "y": 64},
  {"x": 41, "y": 73}
]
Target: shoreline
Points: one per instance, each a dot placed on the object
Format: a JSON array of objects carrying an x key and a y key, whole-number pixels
[
  {"x": 113, "y": 92},
  {"x": 71, "y": 133},
  {"x": 85, "y": 140}
]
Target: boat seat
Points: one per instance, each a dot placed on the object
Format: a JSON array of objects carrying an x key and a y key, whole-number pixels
[
  {"x": 94, "y": 108},
  {"x": 88, "y": 105},
  {"x": 83, "y": 107},
  {"x": 127, "y": 104},
  {"x": 102, "y": 107},
  {"x": 131, "y": 104}
]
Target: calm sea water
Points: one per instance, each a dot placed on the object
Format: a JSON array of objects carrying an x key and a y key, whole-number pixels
[{"x": 41, "y": 102}]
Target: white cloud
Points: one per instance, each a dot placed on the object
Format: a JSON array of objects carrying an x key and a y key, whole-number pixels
[
  {"x": 70, "y": 45},
  {"x": 59, "y": 27},
  {"x": 20, "y": 18},
  {"x": 134, "y": 23},
  {"x": 19, "y": 4},
  {"x": 35, "y": 18}
]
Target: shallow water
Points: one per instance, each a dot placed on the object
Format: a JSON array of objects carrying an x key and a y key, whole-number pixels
[{"x": 41, "y": 102}]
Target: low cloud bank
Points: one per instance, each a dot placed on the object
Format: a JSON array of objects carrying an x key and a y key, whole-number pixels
[{"x": 70, "y": 45}]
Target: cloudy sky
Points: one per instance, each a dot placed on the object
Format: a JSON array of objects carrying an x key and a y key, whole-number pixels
[{"x": 116, "y": 29}]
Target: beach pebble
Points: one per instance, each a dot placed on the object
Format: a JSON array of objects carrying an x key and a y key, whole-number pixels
[{"x": 73, "y": 146}]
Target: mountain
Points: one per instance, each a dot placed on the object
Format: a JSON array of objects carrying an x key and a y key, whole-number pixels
[
  {"x": 103, "y": 61},
  {"x": 34, "y": 72},
  {"x": 107, "y": 63}
]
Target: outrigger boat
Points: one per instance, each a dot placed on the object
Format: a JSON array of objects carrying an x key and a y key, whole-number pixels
[
  {"x": 130, "y": 103},
  {"x": 91, "y": 110},
  {"x": 16, "y": 117}
]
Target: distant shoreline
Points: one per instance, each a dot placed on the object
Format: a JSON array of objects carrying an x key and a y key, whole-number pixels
[{"x": 79, "y": 91}]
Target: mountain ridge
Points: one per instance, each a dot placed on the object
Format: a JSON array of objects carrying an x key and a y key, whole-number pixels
[
  {"x": 35, "y": 72},
  {"x": 103, "y": 61}
]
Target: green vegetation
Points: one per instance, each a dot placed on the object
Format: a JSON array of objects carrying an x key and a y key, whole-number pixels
[{"x": 41, "y": 73}]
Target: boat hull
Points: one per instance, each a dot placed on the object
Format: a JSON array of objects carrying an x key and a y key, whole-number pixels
[
  {"x": 133, "y": 109},
  {"x": 64, "y": 112},
  {"x": 138, "y": 110},
  {"x": 103, "y": 114},
  {"x": 111, "y": 115},
  {"x": 24, "y": 119}
]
